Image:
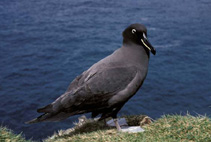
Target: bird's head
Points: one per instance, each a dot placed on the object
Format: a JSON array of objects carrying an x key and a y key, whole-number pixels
[{"x": 137, "y": 34}]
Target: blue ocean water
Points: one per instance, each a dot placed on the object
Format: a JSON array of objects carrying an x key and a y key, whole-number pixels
[{"x": 45, "y": 44}]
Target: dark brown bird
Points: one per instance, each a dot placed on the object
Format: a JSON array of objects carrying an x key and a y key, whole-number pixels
[{"x": 107, "y": 85}]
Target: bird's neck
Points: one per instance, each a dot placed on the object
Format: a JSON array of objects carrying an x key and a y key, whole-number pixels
[
  {"x": 136, "y": 47},
  {"x": 136, "y": 55}
]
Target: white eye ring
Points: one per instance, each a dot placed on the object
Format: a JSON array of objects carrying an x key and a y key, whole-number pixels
[{"x": 133, "y": 31}]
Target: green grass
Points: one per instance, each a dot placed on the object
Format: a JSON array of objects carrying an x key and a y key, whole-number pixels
[
  {"x": 169, "y": 128},
  {"x": 7, "y": 135}
]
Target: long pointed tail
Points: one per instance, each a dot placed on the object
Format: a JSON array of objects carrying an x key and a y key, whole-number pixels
[
  {"x": 41, "y": 118},
  {"x": 56, "y": 111},
  {"x": 50, "y": 117}
]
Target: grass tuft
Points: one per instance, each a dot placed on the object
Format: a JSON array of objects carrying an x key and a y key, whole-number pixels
[
  {"x": 180, "y": 128},
  {"x": 7, "y": 135}
]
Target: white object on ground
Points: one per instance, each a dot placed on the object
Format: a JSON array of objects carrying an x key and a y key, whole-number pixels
[
  {"x": 124, "y": 126},
  {"x": 132, "y": 129},
  {"x": 122, "y": 122}
]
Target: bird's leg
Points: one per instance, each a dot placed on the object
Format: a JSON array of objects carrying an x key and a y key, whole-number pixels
[
  {"x": 105, "y": 124},
  {"x": 117, "y": 125}
]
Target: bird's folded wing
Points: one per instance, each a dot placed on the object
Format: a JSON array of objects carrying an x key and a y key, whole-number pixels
[{"x": 110, "y": 80}]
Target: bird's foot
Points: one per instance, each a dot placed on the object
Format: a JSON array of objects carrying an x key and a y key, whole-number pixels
[
  {"x": 105, "y": 123},
  {"x": 117, "y": 125}
]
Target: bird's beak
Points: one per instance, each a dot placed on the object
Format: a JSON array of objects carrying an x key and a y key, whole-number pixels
[{"x": 147, "y": 44}]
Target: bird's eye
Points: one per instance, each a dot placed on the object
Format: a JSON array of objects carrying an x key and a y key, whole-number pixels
[{"x": 133, "y": 31}]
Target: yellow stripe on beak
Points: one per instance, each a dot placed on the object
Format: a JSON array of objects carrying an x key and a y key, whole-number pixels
[{"x": 145, "y": 44}]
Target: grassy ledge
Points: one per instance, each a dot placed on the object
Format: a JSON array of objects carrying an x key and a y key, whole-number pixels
[{"x": 169, "y": 128}]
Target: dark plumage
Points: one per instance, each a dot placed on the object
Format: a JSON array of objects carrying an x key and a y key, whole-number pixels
[{"x": 107, "y": 85}]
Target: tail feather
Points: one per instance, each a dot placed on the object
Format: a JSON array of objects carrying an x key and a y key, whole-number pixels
[
  {"x": 46, "y": 109},
  {"x": 36, "y": 120},
  {"x": 32, "y": 121}
]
